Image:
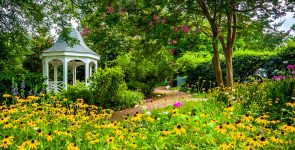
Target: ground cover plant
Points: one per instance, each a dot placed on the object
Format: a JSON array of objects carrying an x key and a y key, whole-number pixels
[{"x": 40, "y": 122}]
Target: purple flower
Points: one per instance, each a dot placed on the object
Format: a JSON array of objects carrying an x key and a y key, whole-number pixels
[
  {"x": 291, "y": 67},
  {"x": 282, "y": 77},
  {"x": 177, "y": 104},
  {"x": 293, "y": 72},
  {"x": 275, "y": 77}
]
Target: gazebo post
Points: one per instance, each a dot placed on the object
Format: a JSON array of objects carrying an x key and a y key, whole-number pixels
[
  {"x": 65, "y": 73},
  {"x": 46, "y": 71},
  {"x": 55, "y": 75},
  {"x": 86, "y": 72},
  {"x": 74, "y": 73}
]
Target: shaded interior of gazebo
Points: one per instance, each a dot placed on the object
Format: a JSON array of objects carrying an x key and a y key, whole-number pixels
[{"x": 64, "y": 64}]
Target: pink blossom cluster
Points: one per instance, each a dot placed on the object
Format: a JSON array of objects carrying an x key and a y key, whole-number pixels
[
  {"x": 156, "y": 19},
  {"x": 177, "y": 104},
  {"x": 279, "y": 77},
  {"x": 183, "y": 28},
  {"x": 291, "y": 67},
  {"x": 85, "y": 31}
]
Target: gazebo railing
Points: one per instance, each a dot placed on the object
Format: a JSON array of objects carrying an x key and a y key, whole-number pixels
[{"x": 56, "y": 86}]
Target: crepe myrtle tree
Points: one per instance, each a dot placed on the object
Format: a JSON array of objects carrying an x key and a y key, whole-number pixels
[{"x": 226, "y": 16}]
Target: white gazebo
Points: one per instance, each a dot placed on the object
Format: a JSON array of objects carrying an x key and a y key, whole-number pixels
[{"x": 62, "y": 56}]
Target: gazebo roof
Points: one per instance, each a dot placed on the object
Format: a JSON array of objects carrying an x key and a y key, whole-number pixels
[{"x": 61, "y": 45}]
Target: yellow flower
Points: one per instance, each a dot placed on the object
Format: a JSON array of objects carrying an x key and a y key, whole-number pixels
[
  {"x": 6, "y": 95},
  {"x": 6, "y": 142},
  {"x": 276, "y": 140},
  {"x": 179, "y": 130},
  {"x": 247, "y": 118},
  {"x": 94, "y": 142},
  {"x": 72, "y": 146},
  {"x": 49, "y": 137},
  {"x": 220, "y": 129},
  {"x": 288, "y": 128},
  {"x": 225, "y": 146},
  {"x": 230, "y": 109},
  {"x": 262, "y": 120},
  {"x": 291, "y": 104},
  {"x": 110, "y": 140},
  {"x": 33, "y": 144},
  {"x": 150, "y": 119}
]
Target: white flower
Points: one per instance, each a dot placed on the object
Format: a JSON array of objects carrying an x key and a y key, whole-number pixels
[
  {"x": 148, "y": 113},
  {"x": 143, "y": 107},
  {"x": 35, "y": 128},
  {"x": 165, "y": 112},
  {"x": 285, "y": 62},
  {"x": 136, "y": 106}
]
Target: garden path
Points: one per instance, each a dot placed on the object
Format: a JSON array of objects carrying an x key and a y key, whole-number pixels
[{"x": 171, "y": 96}]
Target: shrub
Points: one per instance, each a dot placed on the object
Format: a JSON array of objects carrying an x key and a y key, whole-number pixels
[
  {"x": 245, "y": 64},
  {"x": 106, "y": 85},
  {"x": 78, "y": 91},
  {"x": 130, "y": 99},
  {"x": 22, "y": 81}
]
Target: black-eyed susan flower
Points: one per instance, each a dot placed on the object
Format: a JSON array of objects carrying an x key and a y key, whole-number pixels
[
  {"x": 220, "y": 129},
  {"x": 262, "y": 120},
  {"x": 225, "y": 146},
  {"x": 247, "y": 118},
  {"x": 276, "y": 140},
  {"x": 49, "y": 137},
  {"x": 110, "y": 140},
  {"x": 287, "y": 128},
  {"x": 7, "y": 141},
  {"x": 179, "y": 130},
  {"x": 6, "y": 95},
  {"x": 94, "y": 142},
  {"x": 72, "y": 146},
  {"x": 33, "y": 144}
]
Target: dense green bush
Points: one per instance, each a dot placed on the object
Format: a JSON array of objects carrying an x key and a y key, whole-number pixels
[
  {"x": 143, "y": 74},
  {"x": 130, "y": 98},
  {"x": 245, "y": 64},
  {"x": 77, "y": 91},
  {"x": 22, "y": 81},
  {"x": 110, "y": 90}
]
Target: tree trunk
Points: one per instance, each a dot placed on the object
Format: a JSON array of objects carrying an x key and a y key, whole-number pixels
[
  {"x": 216, "y": 62},
  {"x": 229, "y": 68}
]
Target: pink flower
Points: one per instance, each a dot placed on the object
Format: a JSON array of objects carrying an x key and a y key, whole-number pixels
[
  {"x": 164, "y": 20},
  {"x": 172, "y": 62},
  {"x": 172, "y": 50},
  {"x": 184, "y": 28},
  {"x": 85, "y": 31},
  {"x": 177, "y": 104},
  {"x": 110, "y": 10},
  {"x": 156, "y": 17},
  {"x": 174, "y": 41},
  {"x": 275, "y": 77},
  {"x": 151, "y": 24},
  {"x": 293, "y": 72},
  {"x": 291, "y": 67}
]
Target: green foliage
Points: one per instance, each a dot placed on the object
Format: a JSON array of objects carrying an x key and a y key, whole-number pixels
[
  {"x": 245, "y": 64},
  {"x": 78, "y": 91},
  {"x": 107, "y": 84},
  {"x": 129, "y": 99},
  {"x": 109, "y": 89},
  {"x": 143, "y": 74},
  {"x": 32, "y": 82}
]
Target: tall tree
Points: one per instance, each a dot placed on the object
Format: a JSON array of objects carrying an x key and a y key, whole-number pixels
[{"x": 224, "y": 15}]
